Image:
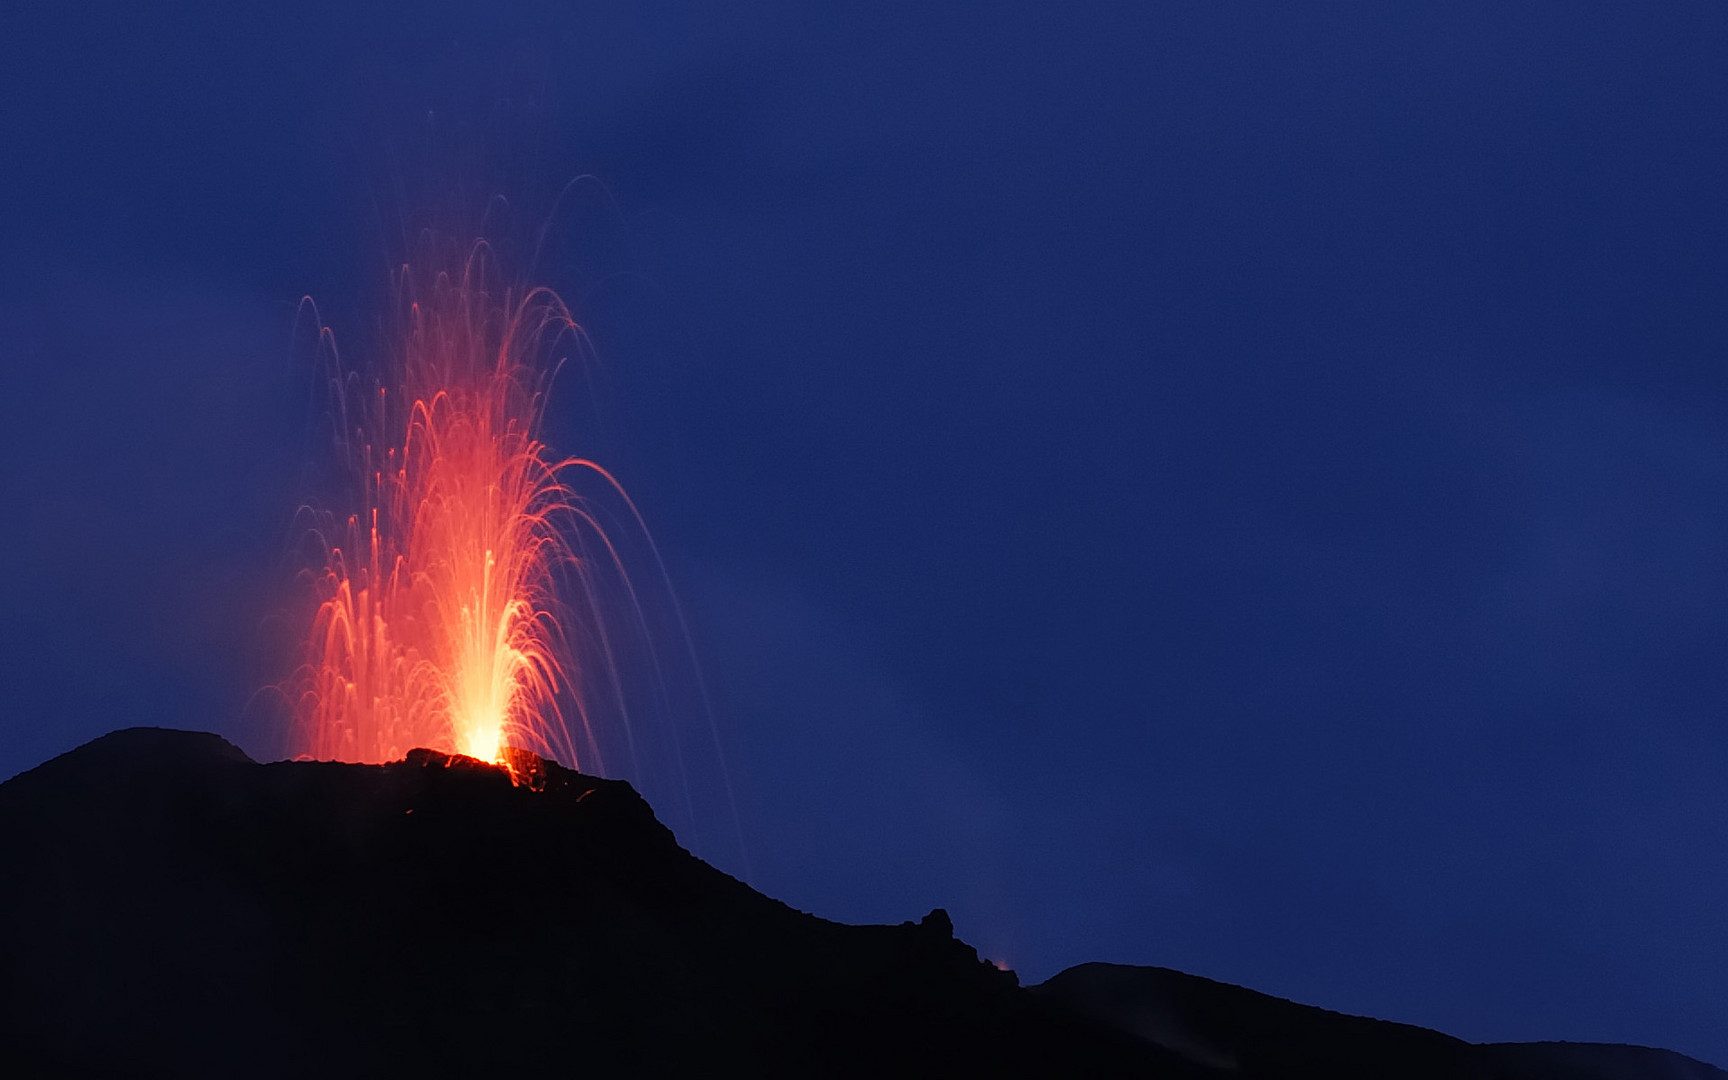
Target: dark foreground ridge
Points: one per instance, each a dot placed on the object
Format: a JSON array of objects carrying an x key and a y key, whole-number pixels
[{"x": 169, "y": 907}]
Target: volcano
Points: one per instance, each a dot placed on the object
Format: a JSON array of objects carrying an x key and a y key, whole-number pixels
[{"x": 171, "y": 908}]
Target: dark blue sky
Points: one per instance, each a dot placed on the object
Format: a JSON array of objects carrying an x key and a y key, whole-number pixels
[{"x": 1241, "y": 487}]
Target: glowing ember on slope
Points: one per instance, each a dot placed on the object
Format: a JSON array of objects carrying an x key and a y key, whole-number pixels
[{"x": 439, "y": 622}]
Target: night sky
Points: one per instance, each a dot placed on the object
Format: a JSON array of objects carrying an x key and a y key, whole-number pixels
[{"x": 1239, "y": 487}]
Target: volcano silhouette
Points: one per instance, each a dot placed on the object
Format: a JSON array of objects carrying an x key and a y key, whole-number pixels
[{"x": 169, "y": 907}]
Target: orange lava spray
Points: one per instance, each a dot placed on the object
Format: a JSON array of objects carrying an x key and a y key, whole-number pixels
[{"x": 439, "y": 618}]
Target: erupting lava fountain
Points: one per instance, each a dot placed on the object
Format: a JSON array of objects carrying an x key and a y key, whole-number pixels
[{"x": 440, "y": 618}]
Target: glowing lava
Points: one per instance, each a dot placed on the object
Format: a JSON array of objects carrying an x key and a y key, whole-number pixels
[{"x": 438, "y": 619}]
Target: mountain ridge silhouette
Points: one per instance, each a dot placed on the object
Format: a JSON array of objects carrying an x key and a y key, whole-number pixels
[{"x": 173, "y": 908}]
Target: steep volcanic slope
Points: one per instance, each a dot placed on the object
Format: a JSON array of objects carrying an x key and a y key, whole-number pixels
[{"x": 170, "y": 907}]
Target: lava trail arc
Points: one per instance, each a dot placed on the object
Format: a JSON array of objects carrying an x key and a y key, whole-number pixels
[{"x": 455, "y": 587}]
